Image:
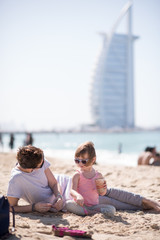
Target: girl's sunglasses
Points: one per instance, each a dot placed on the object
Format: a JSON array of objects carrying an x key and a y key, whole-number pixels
[{"x": 84, "y": 161}]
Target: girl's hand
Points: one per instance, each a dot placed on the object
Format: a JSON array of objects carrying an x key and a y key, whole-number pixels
[
  {"x": 105, "y": 185},
  {"x": 58, "y": 205},
  {"x": 105, "y": 189},
  {"x": 80, "y": 200}
]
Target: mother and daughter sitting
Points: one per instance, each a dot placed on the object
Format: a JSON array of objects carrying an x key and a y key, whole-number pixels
[{"x": 85, "y": 193}]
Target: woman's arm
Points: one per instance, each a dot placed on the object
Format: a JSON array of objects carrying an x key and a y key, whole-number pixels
[
  {"x": 39, "y": 207},
  {"x": 52, "y": 182},
  {"x": 78, "y": 197}
]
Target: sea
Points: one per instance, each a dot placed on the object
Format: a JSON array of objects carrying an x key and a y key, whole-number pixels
[{"x": 116, "y": 148}]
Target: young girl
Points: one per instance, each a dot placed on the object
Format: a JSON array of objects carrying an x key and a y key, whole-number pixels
[{"x": 83, "y": 190}]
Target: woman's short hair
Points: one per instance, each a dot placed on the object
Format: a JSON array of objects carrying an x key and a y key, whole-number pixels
[{"x": 29, "y": 156}]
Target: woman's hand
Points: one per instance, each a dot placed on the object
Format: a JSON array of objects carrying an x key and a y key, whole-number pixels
[
  {"x": 59, "y": 204},
  {"x": 42, "y": 207}
]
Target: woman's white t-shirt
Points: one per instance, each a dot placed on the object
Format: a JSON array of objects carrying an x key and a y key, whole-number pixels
[{"x": 33, "y": 187}]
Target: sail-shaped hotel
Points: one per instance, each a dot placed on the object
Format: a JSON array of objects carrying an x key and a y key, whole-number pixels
[{"x": 112, "y": 87}]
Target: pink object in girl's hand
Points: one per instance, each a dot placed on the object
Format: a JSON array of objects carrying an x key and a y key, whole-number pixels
[{"x": 65, "y": 231}]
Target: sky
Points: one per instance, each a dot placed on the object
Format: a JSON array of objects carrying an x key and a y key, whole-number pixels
[{"x": 48, "y": 50}]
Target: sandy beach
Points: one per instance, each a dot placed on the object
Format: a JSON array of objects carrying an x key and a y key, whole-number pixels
[{"x": 144, "y": 180}]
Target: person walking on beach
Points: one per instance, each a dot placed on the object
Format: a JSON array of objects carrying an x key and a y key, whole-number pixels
[
  {"x": 33, "y": 181},
  {"x": 11, "y": 141},
  {"x": 84, "y": 189}
]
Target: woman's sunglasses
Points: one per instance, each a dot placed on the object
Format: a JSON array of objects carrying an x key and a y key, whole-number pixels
[{"x": 84, "y": 161}]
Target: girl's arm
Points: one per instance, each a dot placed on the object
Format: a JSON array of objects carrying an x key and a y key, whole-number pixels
[
  {"x": 77, "y": 197},
  {"x": 52, "y": 182}
]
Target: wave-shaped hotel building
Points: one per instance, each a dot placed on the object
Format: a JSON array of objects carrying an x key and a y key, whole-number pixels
[{"x": 112, "y": 87}]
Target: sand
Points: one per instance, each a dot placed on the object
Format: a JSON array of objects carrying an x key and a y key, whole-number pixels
[{"x": 144, "y": 180}]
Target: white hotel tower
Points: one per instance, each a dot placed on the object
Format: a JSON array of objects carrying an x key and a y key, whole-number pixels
[{"x": 112, "y": 87}]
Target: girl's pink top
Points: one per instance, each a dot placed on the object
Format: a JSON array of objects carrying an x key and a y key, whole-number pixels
[{"x": 87, "y": 188}]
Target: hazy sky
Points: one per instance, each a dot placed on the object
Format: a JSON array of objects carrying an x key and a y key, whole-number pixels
[{"x": 48, "y": 50}]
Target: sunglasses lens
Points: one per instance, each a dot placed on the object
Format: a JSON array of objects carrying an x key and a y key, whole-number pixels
[
  {"x": 84, "y": 161},
  {"x": 76, "y": 161}
]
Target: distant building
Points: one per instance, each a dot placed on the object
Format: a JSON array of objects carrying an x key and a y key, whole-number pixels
[{"x": 112, "y": 87}]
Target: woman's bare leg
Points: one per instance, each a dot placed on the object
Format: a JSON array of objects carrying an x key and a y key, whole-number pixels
[{"x": 150, "y": 204}]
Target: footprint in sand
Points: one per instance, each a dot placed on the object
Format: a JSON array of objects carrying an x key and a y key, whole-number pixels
[
  {"x": 155, "y": 226},
  {"x": 24, "y": 226}
]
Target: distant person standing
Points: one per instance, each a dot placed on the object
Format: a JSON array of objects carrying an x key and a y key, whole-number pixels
[
  {"x": 29, "y": 139},
  {"x": 1, "y": 141},
  {"x": 120, "y": 148},
  {"x": 11, "y": 141}
]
